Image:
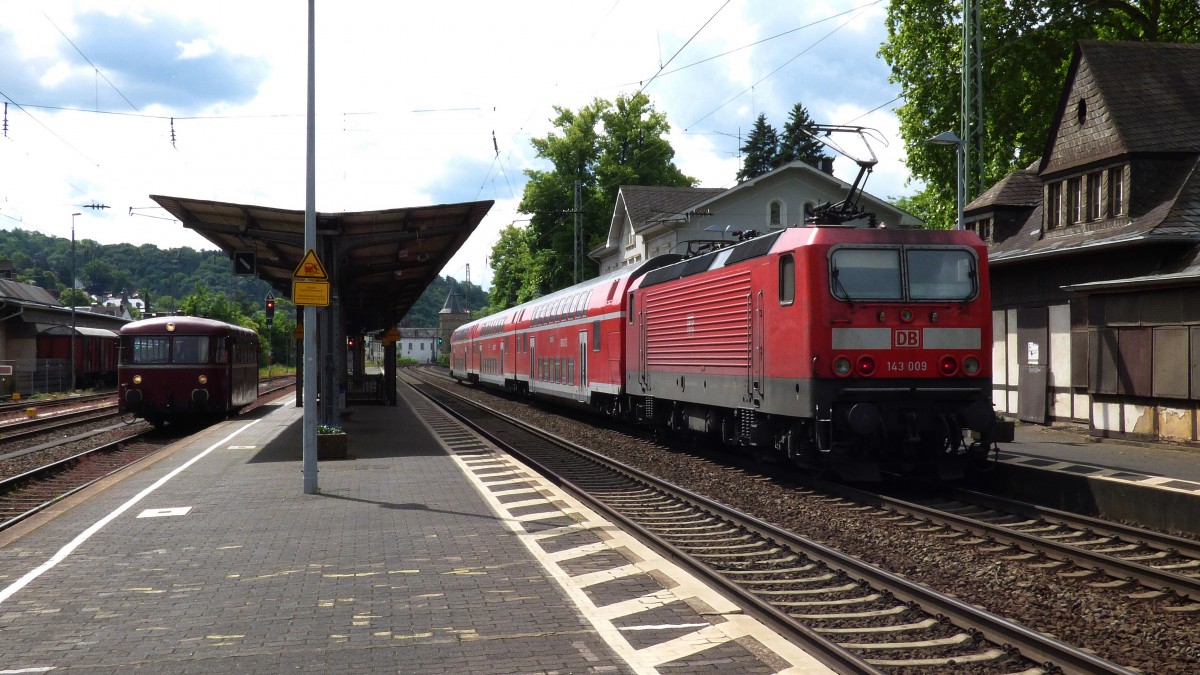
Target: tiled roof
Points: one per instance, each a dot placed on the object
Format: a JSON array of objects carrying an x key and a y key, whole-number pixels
[
  {"x": 1152, "y": 91},
  {"x": 1019, "y": 188},
  {"x": 18, "y": 291},
  {"x": 1126, "y": 97},
  {"x": 651, "y": 204}
]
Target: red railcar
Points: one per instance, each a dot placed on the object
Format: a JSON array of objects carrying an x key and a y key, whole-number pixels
[
  {"x": 95, "y": 353},
  {"x": 182, "y": 369},
  {"x": 862, "y": 350}
]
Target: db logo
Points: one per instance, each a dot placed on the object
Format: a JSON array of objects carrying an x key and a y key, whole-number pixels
[{"x": 909, "y": 338}]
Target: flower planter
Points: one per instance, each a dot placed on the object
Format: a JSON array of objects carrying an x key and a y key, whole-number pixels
[{"x": 331, "y": 446}]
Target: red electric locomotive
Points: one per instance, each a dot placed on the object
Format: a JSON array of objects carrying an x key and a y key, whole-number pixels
[
  {"x": 866, "y": 351},
  {"x": 183, "y": 369}
]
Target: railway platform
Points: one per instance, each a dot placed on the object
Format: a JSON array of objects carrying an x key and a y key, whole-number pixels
[
  {"x": 1153, "y": 484},
  {"x": 427, "y": 551}
]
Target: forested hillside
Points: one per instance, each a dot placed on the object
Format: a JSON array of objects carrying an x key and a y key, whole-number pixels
[{"x": 164, "y": 277}]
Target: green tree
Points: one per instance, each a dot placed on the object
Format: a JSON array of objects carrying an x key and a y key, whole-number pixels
[
  {"x": 603, "y": 146},
  {"x": 1026, "y": 47},
  {"x": 761, "y": 149},
  {"x": 76, "y": 297},
  {"x": 514, "y": 277},
  {"x": 212, "y": 306},
  {"x": 797, "y": 145}
]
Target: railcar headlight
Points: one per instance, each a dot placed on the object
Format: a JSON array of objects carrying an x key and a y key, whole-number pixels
[
  {"x": 841, "y": 366},
  {"x": 906, "y": 315},
  {"x": 203, "y": 379},
  {"x": 948, "y": 365},
  {"x": 971, "y": 365},
  {"x": 137, "y": 379},
  {"x": 866, "y": 365}
]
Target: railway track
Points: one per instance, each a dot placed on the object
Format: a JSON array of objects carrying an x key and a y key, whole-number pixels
[
  {"x": 858, "y": 616},
  {"x": 66, "y": 464},
  {"x": 28, "y": 493},
  {"x": 1167, "y": 566}
]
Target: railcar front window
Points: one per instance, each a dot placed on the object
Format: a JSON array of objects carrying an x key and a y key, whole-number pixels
[
  {"x": 865, "y": 274},
  {"x": 941, "y": 274},
  {"x": 149, "y": 349},
  {"x": 190, "y": 349}
]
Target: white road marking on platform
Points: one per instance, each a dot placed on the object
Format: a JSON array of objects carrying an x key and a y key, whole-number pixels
[
  {"x": 75, "y": 543},
  {"x": 734, "y": 624},
  {"x": 160, "y": 513}
]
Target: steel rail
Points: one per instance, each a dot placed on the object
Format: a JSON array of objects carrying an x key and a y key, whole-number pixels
[{"x": 1030, "y": 643}]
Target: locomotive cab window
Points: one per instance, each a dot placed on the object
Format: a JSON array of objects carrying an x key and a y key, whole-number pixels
[
  {"x": 787, "y": 279},
  {"x": 865, "y": 274},
  {"x": 941, "y": 274}
]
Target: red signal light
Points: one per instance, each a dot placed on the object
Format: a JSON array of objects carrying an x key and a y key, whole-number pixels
[{"x": 948, "y": 365}]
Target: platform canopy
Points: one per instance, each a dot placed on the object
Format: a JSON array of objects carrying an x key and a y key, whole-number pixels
[{"x": 379, "y": 261}]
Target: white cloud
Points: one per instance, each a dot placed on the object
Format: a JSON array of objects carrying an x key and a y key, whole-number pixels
[
  {"x": 408, "y": 97},
  {"x": 195, "y": 49}
]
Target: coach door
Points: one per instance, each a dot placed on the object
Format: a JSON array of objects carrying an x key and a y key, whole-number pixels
[
  {"x": 503, "y": 351},
  {"x": 754, "y": 345},
  {"x": 582, "y": 392},
  {"x": 1033, "y": 351},
  {"x": 533, "y": 373}
]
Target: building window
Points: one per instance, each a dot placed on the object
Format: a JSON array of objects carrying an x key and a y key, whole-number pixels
[
  {"x": 775, "y": 219},
  {"x": 1094, "y": 180},
  {"x": 1075, "y": 201},
  {"x": 983, "y": 228},
  {"x": 1053, "y": 205},
  {"x": 1116, "y": 192}
]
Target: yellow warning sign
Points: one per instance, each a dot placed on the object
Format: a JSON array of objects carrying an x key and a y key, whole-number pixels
[
  {"x": 314, "y": 293},
  {"x": 310, "y": 267}
]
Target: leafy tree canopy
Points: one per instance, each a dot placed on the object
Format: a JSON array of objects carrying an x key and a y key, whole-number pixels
[
  {"x": 603, "y": 145},
  {"x": 1026, "y": 49}
]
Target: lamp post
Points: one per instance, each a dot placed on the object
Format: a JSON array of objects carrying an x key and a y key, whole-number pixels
[
  {"x": 950, "y": 138},
  {"x": 73, "y": 301}
]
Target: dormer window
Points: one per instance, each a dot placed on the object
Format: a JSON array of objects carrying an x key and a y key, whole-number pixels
[{"x": 1081, "y": 111}]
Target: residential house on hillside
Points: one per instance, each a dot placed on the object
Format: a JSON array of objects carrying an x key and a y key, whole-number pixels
[
  {"x": 651, "y": 221},
  {"x": 1095, "y": 250}
]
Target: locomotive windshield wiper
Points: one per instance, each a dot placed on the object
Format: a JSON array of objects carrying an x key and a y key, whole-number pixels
[{"x": 839, "y": 287}]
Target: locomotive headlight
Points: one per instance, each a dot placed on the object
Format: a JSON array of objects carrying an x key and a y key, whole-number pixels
[
  {"x": 866, "y": 365},
  {"x": 948, "y": 365},
  {"x": 970, "y": 365},
  {"x": 203, "y": 379},
  {"x": 841, "y": 366},
  {"x": 137, "y": 379}
]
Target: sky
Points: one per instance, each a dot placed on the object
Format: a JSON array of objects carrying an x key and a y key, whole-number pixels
[{"x": 111, "y": 101}]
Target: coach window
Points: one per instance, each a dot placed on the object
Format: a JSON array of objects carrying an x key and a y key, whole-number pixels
[
  {"x": 787, "y": 279},
  {"x": 190, "y": 349},
  {"x": 151, "y": 349},
  {"x": 596, "y": 335}
]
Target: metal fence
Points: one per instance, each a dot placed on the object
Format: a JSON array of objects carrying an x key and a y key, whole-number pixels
[{"x": 36, "y": 376}]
